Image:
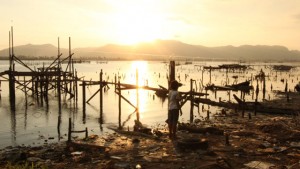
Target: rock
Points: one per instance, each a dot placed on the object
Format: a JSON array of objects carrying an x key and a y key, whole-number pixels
[
  {"x": 16, "y": 156},
  {"x": 121, "y": 165},
  {"x": 259, "y": 165},
  {"x": 77, "y": 153},
  {"x": 135, "y": 140},
  {"x": 34, "y": 159},
  {"x": 191, "y": 143},
  {"x": 265, "y": 145}
]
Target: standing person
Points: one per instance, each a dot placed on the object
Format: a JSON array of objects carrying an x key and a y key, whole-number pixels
[{"x": 173, "y": 109}]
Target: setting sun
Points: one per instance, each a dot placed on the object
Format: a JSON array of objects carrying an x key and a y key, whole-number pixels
[{"x": 133, "y": 24}]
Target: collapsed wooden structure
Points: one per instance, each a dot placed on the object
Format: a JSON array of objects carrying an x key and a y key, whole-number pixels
[{"x": 39, "y": 82}]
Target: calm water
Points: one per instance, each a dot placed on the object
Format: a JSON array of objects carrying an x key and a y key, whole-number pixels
[{"x": 33, "y": 125}]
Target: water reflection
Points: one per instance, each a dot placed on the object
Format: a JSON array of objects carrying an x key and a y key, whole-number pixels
[
  {"x": 13, "y": 124},
  {"x": 52, "y": 119}
]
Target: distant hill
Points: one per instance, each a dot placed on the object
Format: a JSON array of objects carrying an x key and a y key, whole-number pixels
[{"x": 163, "y": 50}]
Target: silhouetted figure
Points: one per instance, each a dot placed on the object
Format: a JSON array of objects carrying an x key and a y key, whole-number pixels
[{"x": 173, "y": 109}]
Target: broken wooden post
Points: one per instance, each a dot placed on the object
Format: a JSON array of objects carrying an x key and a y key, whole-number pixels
[
  {"x": 216, "y": 94},
  {"x": 86, "y": 133},
  {"x": 69, "y": 130},
  {"x": 46, "y": 92},
  {"x": 207, "y": 115},
  {"x": 25, "y": 91},
  {"x": 227, "y": 139},
  {"x": 83, "y": 97},
  {"x": 255, "y": 107},
  {"x": 257, "y": 89},
  {"x": 41, "y": 90},
  {"x": 58, "y": 126},
  {"x": 286, "y": 86},
  {"x": 32, "y": 86},
  {"x": 37, "y": 89},
  {"x": 243, "y": 111},
  {"x": 264, "y": 88}
]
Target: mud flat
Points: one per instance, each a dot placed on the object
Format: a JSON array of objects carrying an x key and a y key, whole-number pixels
[{"x": 226, "y": 141}]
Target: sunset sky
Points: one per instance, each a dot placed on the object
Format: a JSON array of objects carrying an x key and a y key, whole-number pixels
[{"x": 92, "y": 23}]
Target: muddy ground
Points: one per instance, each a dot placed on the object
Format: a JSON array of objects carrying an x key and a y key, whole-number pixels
[{"x": 228, "y": 141}]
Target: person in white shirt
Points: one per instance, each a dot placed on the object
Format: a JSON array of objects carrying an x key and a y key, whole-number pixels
[{"x": 173, "y": 109}]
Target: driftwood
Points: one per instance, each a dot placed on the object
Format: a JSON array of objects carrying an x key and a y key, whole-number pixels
[{"x": 251, "y": 106}]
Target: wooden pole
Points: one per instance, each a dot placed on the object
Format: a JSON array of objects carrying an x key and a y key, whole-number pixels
[
  {"x": 58, "y": 126},
  {"x": 76, "y": 87},
  {"x": 137, "y": 96},
  {"x": 83, "y": 97},
  {"x": 255, "y": 107},
  {"x": 101, "y": 96},
  {"x": 86, "y": 133},
  {"x": 25, "y": 91},
  {"x": 202, "y": 77},
  {"x": 227, "y": 139},
  {"x": 115, "y": 82},
  {"x": 58, "y": 79},
  {"x": 192, "y": 102},
  {"x": 171, "y": 73},
  {"x": 210, "y": 75},
  {"x": 119, "y": 87},
  {"x": 12, "y": 94},
  {"x": 207, "y": 115},
  {"x": 69, "y": 130},
  {"x": 37, "y": 89}
]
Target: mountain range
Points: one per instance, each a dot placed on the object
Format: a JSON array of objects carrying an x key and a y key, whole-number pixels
[{"x": 160, "y": 50}]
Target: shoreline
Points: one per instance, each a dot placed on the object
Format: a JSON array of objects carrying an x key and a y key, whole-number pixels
[{"x": 255, "y": 141}]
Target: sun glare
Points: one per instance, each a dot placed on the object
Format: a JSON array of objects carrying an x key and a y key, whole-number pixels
[
  {"x": 141, "y": 67},
  {"x": 134, "y": 25}
]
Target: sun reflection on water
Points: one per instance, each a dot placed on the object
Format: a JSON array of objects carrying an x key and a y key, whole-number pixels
[{"x": 139, "y": 71}]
